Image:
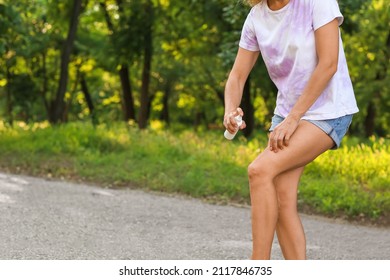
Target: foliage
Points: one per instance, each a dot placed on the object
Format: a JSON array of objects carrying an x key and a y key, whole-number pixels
[
  {"x": 348, "y": 8},
  {"x": 368, "y": 53},
  {"x": 362, "y": 186},
  {"x": 197, "y": 164},
  {"x": 194, "y": 45}
]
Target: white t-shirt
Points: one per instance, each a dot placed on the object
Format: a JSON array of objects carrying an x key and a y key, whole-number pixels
[{"x": 286, "y": 41}]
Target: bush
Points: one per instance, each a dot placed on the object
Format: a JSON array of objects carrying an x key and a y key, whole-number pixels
[{"x": 350, "y": 182}]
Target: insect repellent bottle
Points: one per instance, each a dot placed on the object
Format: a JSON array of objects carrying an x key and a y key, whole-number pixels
[{"x": 229, "y": 135}]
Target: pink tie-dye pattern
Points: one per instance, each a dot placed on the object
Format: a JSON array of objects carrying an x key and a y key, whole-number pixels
[
  {"x": 287, "y": 44},
  {"x": 249, "y": 40}
]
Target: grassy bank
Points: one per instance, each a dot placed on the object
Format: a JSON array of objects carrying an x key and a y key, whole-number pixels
[{"x": 351, "y": 182}]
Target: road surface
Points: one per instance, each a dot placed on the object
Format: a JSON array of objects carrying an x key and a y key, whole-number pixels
[{"x": 48, "y": 219}]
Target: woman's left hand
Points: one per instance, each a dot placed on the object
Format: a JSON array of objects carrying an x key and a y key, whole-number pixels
[{"x": 279, "y": 138}]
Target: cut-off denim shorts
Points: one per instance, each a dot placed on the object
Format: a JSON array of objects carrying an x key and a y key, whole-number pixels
[{"x": 335, "y": 128}]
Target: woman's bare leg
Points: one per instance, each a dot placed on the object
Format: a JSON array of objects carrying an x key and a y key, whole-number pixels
[
  {"x": 264, "y": 212},
  {"x": 307, "y": 142},
  {"x": 289, "y": 227}
]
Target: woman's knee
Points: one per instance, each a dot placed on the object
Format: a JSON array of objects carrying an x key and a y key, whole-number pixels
[
  {"x": 254, "y": 171},
  {"x": 259, "y": 171}
]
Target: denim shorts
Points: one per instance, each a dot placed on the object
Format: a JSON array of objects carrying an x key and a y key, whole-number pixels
[{"x": 335, "y": 128}]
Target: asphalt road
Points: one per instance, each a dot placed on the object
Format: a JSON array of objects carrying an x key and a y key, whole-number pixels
[{"x": 46, "y": 219}]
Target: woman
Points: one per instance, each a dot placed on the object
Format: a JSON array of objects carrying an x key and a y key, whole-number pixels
[{"x": 301, "y": 46}]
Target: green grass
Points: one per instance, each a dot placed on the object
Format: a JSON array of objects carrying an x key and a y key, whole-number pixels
[{"x": 351, "y": 182}]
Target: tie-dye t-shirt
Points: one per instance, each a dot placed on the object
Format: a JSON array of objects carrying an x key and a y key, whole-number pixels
[{"x": 286, "y": 41}]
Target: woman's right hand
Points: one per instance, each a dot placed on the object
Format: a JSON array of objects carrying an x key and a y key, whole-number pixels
[{"x": 230, "y": 123}]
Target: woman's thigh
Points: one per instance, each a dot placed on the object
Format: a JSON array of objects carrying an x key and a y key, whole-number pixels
[{"x": 307, "y": 143}]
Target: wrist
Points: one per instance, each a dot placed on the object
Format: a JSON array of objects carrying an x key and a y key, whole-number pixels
[
  {"x": 295, "y": 116},
  {"x": 230, "y": 111}
]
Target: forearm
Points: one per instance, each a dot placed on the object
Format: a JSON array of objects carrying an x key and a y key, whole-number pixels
[
  {"x": 233, "y": 93},
  {"x": 314, "y": 88},
  {"x": 235, "y": 84}
]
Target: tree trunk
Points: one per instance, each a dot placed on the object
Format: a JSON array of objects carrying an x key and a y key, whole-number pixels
[
  {"x": 143, "y": 113},
  {"x": 165, "y": 111},
  {"x": 68, "y": 105},
  {"x": 88, "y": 99},
  {"x": 221, "y": 96},
  {"x": 87, "y": 95},
  {"x": 65, "y": 58},
  {"x": 124, "y": 73},
  {"x": 45, "y": 85},
  {"x": 199, "y": 116},
  {"x": 110, "y": 26},
  {"x": 149, "y": 108},
  {"x": 127, "y": 93},
  {"x": 247, "y": 107},
  {"x": 9, "y": 103},
  {"x": 369, "y": 122}
]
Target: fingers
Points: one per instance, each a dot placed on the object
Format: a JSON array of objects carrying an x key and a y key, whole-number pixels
[
  {"x": 239, "y": 112},
  {"x": 287, "y": 140},
  {"x": 279, "y": 139},
  {"x": 276, "y": 142},
  {"x": 243, "y": 125},
  {"x": 230, "y": 122}
]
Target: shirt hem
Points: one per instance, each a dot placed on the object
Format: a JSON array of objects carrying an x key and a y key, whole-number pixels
[
  {"x": 248, "y": 48},
  {"x": 321, "y": 117}
]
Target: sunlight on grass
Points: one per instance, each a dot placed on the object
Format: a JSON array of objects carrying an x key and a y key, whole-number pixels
[{"x": 351, "y": 181}]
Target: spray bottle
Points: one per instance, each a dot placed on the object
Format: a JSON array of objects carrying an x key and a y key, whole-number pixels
[{"x": 229, "y": 135}]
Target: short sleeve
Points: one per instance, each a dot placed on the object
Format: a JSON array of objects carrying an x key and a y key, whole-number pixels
[
  {"x": 324, "y": 11},
  {"x": 248, "y": 39}
]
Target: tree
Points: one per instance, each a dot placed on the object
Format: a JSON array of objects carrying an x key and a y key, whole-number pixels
[
  {"x": 148, "y": 49},
  {"x": 164, "y": 59},
  {"x": 58, "y": 107},
  {"x": 368, "y": 54},
  {"x": 121, "y": 34},
  {"x": 10, "y": 27}
]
